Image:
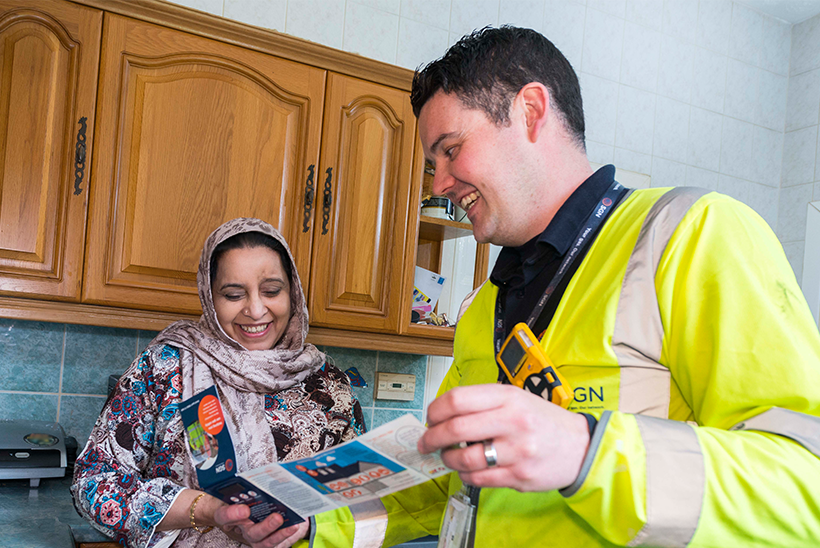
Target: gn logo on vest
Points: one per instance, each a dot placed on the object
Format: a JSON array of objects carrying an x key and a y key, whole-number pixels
[
  {"x": 595, "y": 389},
  {"x": 583, "y": 394},
  {"x": 589, "y": 398}
]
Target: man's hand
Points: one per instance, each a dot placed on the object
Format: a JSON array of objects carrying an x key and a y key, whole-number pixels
[
  {"x": 539, "y": 445},
  {"x": 234, "y": 520}
]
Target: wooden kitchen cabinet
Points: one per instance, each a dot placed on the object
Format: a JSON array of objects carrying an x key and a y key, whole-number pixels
[
  {"x": 50, "y": 54},
  {"x": 197, "y": 120},
  {"x": 196, "y": 132},
  {"x": 363, "y": 200},
  {"x": 191, "y": 133}
]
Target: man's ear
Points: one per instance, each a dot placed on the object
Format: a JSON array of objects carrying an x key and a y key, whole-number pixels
[{"x": 534, "y": 99}]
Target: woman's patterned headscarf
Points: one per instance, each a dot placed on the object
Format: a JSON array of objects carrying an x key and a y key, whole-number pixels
[{"x": 210, "y": 357}]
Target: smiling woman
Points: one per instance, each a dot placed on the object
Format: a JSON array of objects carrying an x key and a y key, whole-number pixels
[
  {"x": 135, "y": 481},
  {"x": 250, "y": 282}
]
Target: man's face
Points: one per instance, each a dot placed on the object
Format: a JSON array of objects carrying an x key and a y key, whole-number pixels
[{"x": 480, "y": 167}]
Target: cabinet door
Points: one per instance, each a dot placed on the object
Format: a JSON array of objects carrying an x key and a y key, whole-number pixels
[
  {"x": 359, "y": 238},
  {"x": 50, "y": 53},
  {"x": 192, "y": 133}
]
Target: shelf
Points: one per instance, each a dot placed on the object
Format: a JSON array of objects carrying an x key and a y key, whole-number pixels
[
  {"x": 431, "y": 228},
  {"x": 432, "y": 332},
  {"x": 414, "y": 341}
]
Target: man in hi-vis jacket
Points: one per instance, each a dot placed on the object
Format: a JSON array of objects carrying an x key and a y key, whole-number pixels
[{"x": 672, "y": 313}]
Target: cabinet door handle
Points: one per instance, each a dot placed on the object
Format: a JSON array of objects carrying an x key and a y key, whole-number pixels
[
  {"x": 79, "y": 156},
  {"x": 309, "y": 194},
  {"x": 328, "y": 199}
]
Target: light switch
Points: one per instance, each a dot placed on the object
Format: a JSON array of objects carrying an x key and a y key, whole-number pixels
[{"x": 395, "y": 386}]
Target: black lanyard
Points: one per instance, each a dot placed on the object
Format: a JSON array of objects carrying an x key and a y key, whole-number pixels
[{"x": 602, "y": 210}]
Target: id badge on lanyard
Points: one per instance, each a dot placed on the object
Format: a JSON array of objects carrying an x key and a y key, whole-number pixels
[{"x": 458, "y": 520}]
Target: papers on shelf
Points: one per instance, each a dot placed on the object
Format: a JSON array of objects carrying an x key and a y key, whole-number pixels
[{"x": 427, "y": 288}]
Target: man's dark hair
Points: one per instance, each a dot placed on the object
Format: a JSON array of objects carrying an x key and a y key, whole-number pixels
[
  {"x": 249, "y": 240},
  {"x": 487, "y": 69}
]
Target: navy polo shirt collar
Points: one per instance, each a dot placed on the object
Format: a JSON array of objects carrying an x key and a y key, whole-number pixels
[{"x": 518, "y": 266}]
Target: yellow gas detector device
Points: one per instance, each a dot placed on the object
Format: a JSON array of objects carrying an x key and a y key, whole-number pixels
[{"x": 527, "y": 366}]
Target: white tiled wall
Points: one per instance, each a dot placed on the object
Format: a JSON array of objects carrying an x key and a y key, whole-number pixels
[
  {"x": 800, "y": 170},
  {"x": 811, "y": 261}
]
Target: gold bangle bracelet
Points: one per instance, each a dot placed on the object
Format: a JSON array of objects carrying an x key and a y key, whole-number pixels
[{"x": 193, "y": 520}]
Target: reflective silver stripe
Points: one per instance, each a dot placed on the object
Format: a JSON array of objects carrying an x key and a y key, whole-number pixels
[
  {"x": 371, "y": 524},
  {"x": 645, "y": 390},
  {"x": 675, "y": 483},
  {"x": 638, "y": 335},
  {"x": 800, "y": 427}
]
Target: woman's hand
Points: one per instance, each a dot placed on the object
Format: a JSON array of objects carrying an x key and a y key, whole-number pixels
[{"x": 235, "y": 521}]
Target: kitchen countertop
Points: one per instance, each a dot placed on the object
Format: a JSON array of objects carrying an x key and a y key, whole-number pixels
[{"x": 44, "y": 517}]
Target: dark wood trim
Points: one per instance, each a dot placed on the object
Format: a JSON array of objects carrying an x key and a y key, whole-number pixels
[
  {"x": 257, "y": 38},
  {"x": 431, "y": 228},
  {"x": 482, "y": 264}
]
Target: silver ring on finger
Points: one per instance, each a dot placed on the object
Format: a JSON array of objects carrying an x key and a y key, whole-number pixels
[{"x": 490, "y": 454}]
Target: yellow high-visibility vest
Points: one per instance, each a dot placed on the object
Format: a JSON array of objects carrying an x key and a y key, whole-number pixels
[{"x": 685, "y": 332}]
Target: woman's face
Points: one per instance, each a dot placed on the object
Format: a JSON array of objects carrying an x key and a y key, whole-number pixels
[{"x": 252, "y": 297}]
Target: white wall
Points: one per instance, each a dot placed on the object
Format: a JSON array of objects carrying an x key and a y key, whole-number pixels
[
  {"x": 811, "y": 262},
  {"x": 691, "y": 93},
  {"x": 800, "y": 170}
]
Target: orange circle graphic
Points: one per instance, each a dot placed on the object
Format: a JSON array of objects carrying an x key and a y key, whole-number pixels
[{"x": 210, "y": 415}]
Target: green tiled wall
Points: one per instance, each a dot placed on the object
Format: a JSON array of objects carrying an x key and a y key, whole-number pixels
[
  {"x": 368, "y": 363},
  {"x": 59, "y": 372}
]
